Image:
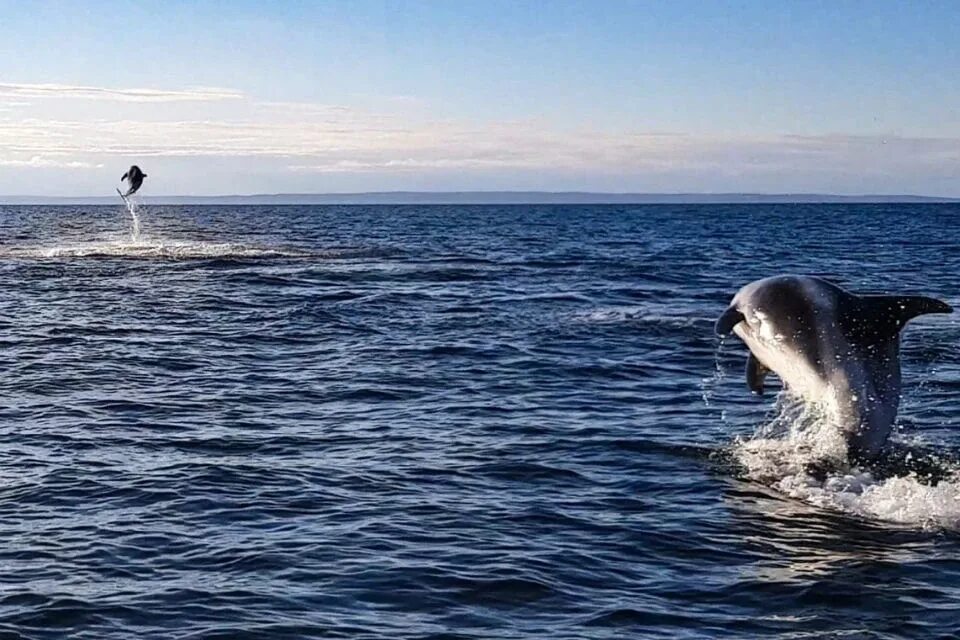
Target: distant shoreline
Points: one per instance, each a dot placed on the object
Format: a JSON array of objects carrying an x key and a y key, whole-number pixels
[{"x": 490, "y": 198}]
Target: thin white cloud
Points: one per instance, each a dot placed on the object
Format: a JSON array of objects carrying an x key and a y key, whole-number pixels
[
  {"x": 42, "y": 162},
  {"x": 299, "y": 139},
  {"x": 336, "y": 137},
  {"x": 408, "y": 164},
  {"x": 123, "y": 95}
]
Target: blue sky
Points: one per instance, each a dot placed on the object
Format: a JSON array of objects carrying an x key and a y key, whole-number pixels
[{"x": 243, "y": 97}]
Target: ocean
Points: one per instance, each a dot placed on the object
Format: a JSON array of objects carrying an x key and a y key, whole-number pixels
[{"x": 455, "y": 422}]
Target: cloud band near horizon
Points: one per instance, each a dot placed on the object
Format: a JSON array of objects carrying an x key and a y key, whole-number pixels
[{"x": 82, "y": 128}]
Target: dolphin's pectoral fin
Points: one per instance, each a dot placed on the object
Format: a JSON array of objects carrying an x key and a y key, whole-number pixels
[
  {"x": 727, "y": 321},
  {"x": 876, "y": 319},
  {"x": 756, "y": 372}
]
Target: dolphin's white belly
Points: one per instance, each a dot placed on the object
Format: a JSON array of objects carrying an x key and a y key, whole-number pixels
[
  {"x": 793, "y": 369},
  {"x": 842, "y": 388}
]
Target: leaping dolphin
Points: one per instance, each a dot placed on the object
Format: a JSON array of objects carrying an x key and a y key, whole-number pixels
[
  {"x": 828, "y": 346},
  {"x": 134, "y": 177}
]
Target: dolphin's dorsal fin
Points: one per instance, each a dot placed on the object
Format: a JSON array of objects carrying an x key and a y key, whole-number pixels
[{"x": 871, "y": 320}]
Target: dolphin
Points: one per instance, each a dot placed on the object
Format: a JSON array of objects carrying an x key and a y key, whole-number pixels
[
  {"x": 829, "y": 347},
  {"x": 134, "y": 176}
]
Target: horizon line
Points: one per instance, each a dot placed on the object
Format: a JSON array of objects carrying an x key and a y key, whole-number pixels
[{"x": 497, "y": 197}]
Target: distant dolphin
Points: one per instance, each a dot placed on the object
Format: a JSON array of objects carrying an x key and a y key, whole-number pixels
[
  {"x": 134, "y": 176},
  {"x": 828, "y": 346}
]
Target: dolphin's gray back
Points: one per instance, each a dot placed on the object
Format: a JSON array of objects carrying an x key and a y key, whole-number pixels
[{"x": 798, "y": 304}]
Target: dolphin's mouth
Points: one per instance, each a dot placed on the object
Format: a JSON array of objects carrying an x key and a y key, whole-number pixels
[{"x": 727, "y": 321}]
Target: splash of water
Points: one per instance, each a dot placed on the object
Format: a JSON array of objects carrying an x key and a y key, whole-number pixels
[
  {"x": 132, "y": 207},
  {"x": 708, "y": 386},
  {"x": 801, "y": 452}
]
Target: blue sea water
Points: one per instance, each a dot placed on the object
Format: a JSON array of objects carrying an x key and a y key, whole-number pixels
[{"x": 452, "y": 422}]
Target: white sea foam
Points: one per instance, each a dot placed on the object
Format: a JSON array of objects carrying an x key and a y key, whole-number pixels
[
  {"x": 787, "y": 451},
  {"x": 160, "y": 249},
  {"x": 139, "y": 245}
]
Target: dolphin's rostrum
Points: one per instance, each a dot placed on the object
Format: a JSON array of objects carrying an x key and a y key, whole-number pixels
[
  {"x": 134, "y": 177},
  {"x": 828, "y": 346}
]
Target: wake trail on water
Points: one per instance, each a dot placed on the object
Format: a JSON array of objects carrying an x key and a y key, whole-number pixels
[
  {"x": 802, "y": 453},
  {"x": 177, "y": 250},
  {"x": 150, "y": 248},
  {"x": 141, "y": 246}
]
